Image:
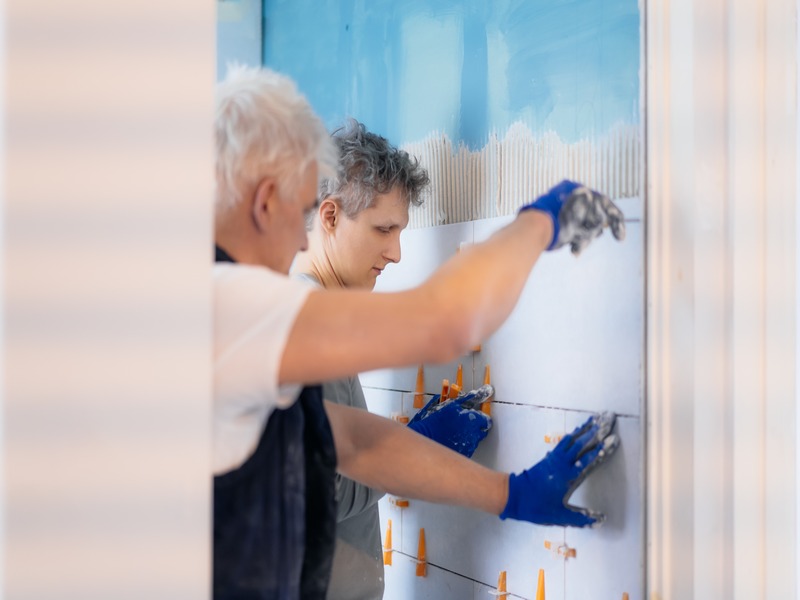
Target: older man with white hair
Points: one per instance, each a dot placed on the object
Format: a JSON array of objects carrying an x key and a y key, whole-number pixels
[{"x": 277, "y": 444}]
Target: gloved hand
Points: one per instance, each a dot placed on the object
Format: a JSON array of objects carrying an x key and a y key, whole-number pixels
[
  {"x": 541, "y": 494},
  {"x": 579, "y": 215},
  {"x": 455, "y": 423}
]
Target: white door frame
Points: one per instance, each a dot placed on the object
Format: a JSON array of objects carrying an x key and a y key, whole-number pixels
[{"x": 721, "y": 164}]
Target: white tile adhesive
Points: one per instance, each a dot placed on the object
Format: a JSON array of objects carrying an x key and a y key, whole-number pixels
[{"x": 506, "y": 173}]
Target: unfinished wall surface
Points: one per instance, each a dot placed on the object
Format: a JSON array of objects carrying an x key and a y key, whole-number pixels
[
  {"x": 571, "y": 347},
  {"x": 500, "y": 101}
]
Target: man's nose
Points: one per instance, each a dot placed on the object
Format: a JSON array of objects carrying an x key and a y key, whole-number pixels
[{"x": 392, "y": 253}]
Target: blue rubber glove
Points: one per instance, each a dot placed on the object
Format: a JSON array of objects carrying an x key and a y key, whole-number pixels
[
  {"x": 579, "y": 215},
  {"x": 457, "y": 423},
  {"x": 541, "y": 494}
]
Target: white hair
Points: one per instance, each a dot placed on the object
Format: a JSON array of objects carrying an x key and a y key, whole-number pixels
[{"x": 265, "y": 127}]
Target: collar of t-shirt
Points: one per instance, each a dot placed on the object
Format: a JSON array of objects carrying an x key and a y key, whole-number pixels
[{"x": 221, "y": 256}]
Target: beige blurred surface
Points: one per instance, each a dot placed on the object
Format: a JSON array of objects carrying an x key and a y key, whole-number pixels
[{"x": 106, "y": 216}]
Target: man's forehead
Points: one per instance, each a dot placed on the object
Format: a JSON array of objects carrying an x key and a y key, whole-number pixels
[{"x": 395, "y": 201}]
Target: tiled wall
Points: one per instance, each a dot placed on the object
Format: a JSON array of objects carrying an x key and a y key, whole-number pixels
[{"x": 573, "y": 345}]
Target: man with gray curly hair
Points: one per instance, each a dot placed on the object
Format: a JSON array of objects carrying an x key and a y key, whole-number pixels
[
  {"x": 362, "y": 211},
  {"x": 355, "y": 235},
  {"x": 368, "y": 165},
  {"x": 276, "y": 444}
]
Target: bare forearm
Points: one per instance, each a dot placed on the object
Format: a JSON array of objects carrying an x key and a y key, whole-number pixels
[
  {"x": 390, "y": 457},
  {"x": 483, "y": 282},
  {"x": 460, "y": 305}
]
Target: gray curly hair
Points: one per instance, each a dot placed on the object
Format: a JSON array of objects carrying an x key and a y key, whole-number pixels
[{"x": 370, "y": 165}]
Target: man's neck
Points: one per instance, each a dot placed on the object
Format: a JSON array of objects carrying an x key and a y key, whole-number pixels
[{"x": 320, "y": 268}]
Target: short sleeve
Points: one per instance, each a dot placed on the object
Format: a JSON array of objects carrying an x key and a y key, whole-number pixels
[{"x": 254, "y": 311}]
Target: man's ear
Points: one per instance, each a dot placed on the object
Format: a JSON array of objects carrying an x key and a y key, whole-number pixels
[
  {"x": 265, "y": 196},
  {"x": 329, "y": 213}
]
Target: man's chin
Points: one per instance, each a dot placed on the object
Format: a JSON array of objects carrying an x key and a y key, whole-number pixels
[{"x": 369, "y": 284}]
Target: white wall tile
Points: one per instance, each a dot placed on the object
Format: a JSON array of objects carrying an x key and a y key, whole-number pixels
[
  {"x": 632, "y": 208},
  {"x": 572, "y": 346},
  {"x": 489, "y": 592},
  {"x": 383, "y": 402},
  {"x": 575, "y": 338},
  {"x": 403, "y": 584},
  {"x": 423, "y": 251},
  {"x": 479, "y": 545},
  {"x": 405, "y": 379}
]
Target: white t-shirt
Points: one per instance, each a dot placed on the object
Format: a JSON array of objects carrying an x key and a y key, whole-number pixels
[{"x": 254, "y": 311}]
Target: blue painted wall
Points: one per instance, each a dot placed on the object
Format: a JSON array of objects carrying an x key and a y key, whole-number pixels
[{"x": 461, "y": 67}]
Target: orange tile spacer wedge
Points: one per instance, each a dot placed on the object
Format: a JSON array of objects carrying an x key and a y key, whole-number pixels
[
  {"x": 419, "y": 393},
  {"x": 422, "y": 561},
  {"x": 540, "y": 586},
  {"x": 445, "y": 390},
  {"x": 399, "y": 502},
  {"x": 387, "y": 545},
  {"x": 486, "y": 407},
  {"x": 501, "y": 586},
  {"x": 400, "y": 418}
]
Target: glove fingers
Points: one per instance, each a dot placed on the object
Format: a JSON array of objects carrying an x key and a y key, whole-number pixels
[
  {"x": 476, "y": 419},
  {"x": 475, "y": 398},
  {"x": 581, "y": 242},
  {"x": 571, "y": 444},
  {"x": 569, "y": 439},
  {"x": 614, "y": 216},
  {"x": 584, "y": 216},
  {"x": 571, "y": 516},
  {"x": 590, "y": 461},
  {"x": 426, "y": 410},
  {"x": 591, "y": 433},
  {"x": 604, "y": 422},
  {"x": 473, "y": 440},
  {"x": 583, "y": 444},
  {"x": 582, "y": 517},
  {"x": 469, "y": 419},
  {"x": 584, "y": 209},
  {"x": 472, "y": 427}
]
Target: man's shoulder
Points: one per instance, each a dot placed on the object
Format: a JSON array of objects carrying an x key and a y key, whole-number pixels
[
  {"x": 231, "y": 275},
  {"x": 241, "y": 290}
]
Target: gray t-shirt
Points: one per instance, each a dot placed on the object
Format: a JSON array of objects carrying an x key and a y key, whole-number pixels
[{"x": 357, "y": 572}]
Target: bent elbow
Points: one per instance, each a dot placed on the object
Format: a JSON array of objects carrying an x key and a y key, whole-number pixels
[{"x": 455, "y": 334}]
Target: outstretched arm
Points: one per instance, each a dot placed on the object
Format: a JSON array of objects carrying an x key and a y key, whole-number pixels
[
  {"x": 343, "y": 332},
  {"x": 340, "y": 333},
  {"x": 391, "y": 457}
]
